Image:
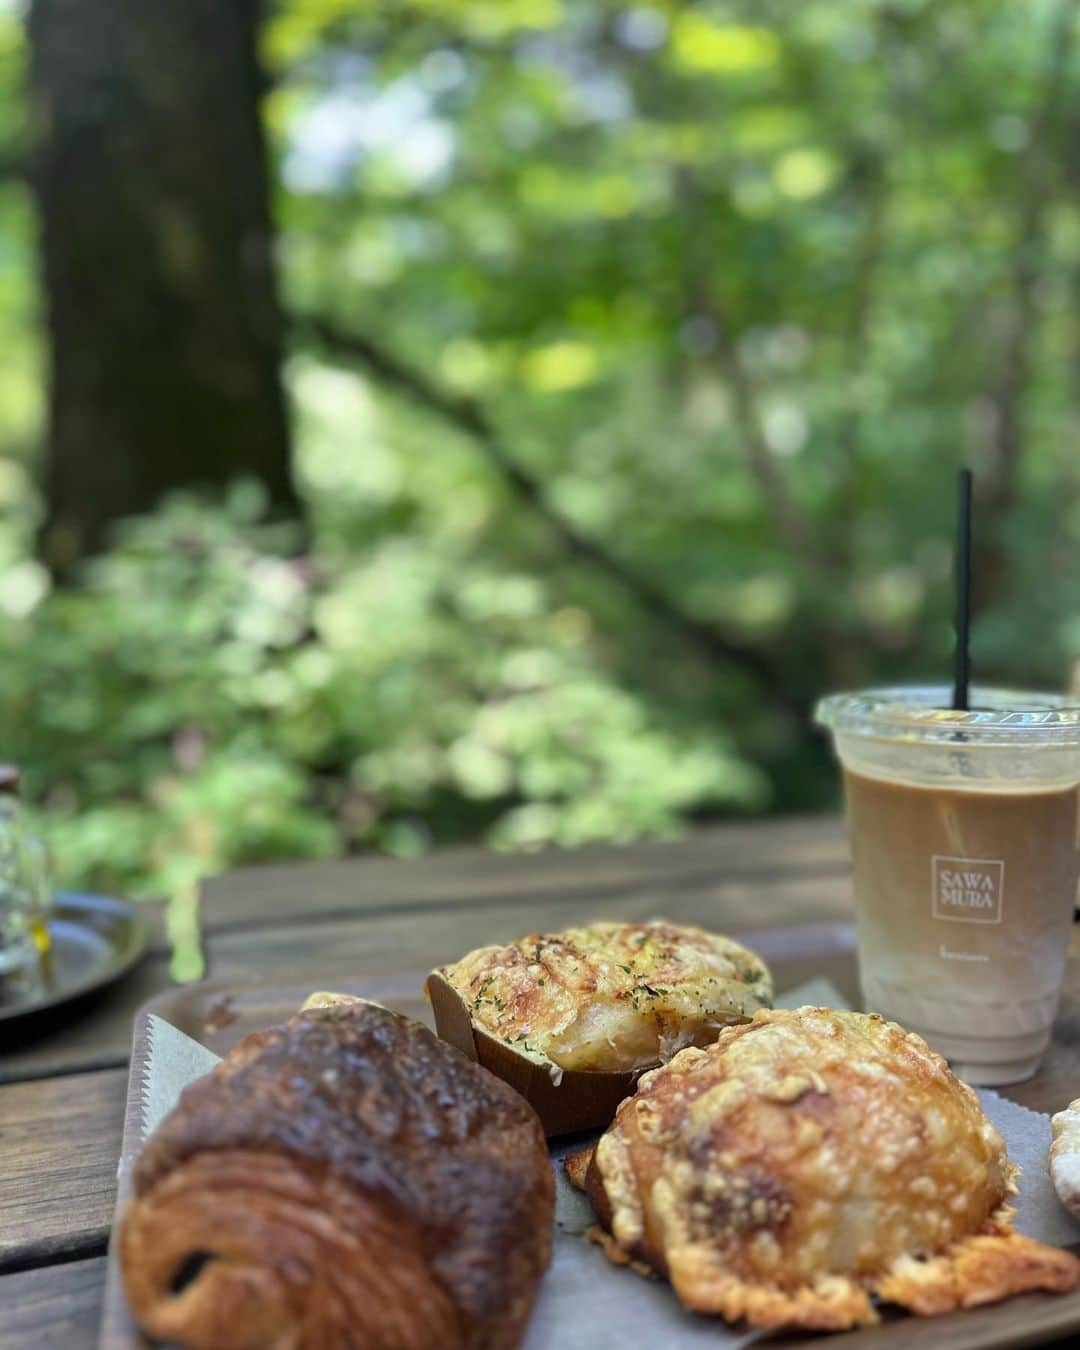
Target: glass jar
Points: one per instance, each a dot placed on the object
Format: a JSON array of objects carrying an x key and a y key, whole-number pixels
[{"x": 25, "y": 895}]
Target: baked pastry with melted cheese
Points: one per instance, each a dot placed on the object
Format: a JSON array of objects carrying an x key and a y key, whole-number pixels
[
  {"x": 806, "y": 1161},
  {"x": 610, "y": 997}
]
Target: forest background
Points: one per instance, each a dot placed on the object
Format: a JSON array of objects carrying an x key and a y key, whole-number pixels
[{"x": 499, "y": 420}]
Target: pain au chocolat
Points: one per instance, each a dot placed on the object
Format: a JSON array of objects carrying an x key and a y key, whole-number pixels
[
  {"x": 805, "y": 1162},
  {"x": 571, "y": 1019},
  {"x": 345, "y": 1180}
]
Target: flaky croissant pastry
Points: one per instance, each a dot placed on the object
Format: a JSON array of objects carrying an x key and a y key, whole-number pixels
[
  {"x": 345, "y": 1180},
  {"x": 610, "y": 997},
  {"x": 808, "y": 1160}
]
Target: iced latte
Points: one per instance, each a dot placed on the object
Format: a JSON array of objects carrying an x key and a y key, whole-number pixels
[{"x": 965, "y": 837}]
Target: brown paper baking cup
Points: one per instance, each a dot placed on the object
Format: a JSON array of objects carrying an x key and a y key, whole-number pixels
[{"x": 582, "y": 1100}]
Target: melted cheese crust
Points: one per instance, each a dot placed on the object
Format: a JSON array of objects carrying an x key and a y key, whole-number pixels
[
  {"x": 611, "y": 996},
  {"x": 807, "y": 1160}
]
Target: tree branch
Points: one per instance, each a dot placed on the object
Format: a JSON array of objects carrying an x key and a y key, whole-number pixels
[
  {"x": 13, "y": 166},
  {"x": 703, "y": 302},
  {"x": 468, "y": 416},
  {"x": 1010, "y": 383},
  {"x": 868, "y": 257},
  {"x": 1035, "y": 191},
  {"x": 789, "y": 521}
]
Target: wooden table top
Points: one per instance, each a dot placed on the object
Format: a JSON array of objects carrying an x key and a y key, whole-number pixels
[{"x": 62, "y": 1085}]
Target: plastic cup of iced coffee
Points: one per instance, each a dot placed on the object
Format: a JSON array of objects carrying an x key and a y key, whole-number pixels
[{"x": 965, "y": 839}]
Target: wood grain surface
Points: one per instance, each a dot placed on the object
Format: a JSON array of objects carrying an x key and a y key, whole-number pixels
[
  {"x": 807, "y": 846},
  {"x": 359, "y": 915},
  {"x": 53, "y": 1308},
  {"x": 59, "y": 1142}
]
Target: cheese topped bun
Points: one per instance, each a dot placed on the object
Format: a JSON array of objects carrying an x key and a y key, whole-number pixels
[
  {"x": 806, "y": 1162},
  {"x": 610, "y": 997}
]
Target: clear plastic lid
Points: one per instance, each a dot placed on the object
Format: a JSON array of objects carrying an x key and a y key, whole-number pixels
[{"x": 1002, "y": 717}]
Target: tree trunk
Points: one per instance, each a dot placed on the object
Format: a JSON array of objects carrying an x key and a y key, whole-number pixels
[{"x": 150, "y": 173}]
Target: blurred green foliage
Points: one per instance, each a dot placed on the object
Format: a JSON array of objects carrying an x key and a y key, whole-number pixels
[
  {"x": 739, "y": 285},
  {"x": 203, "y": 698}
]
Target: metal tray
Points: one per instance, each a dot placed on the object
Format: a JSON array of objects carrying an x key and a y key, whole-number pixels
[
  {"x": 95, "y": 940},
  {"x": 217, "y": 1014}
]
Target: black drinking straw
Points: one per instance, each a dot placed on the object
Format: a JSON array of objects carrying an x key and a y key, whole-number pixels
[{"x": 962, "y": 619}]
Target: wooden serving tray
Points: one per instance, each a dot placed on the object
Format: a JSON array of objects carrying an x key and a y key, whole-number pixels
[{"x": 217, "y": 1014}]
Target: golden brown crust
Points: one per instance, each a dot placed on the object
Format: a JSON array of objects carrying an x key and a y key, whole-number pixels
[
  {"x": 343, "y": 1180},
  {"x": 611, "y": 997},
  {"x": 980, "y": 1269},
  {"x": 258, "y": 1215},
  {"x": 576, "y": 1165},
  {"x": 615, "y": 1254},
  {"x": 809, "y": 1160}
]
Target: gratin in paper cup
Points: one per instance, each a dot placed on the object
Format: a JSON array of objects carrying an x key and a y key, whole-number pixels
[{"x": 566, "y": 1100}]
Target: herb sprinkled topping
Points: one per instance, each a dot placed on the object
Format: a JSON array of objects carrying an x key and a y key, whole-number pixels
[{"x": 484, "y": 987}]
